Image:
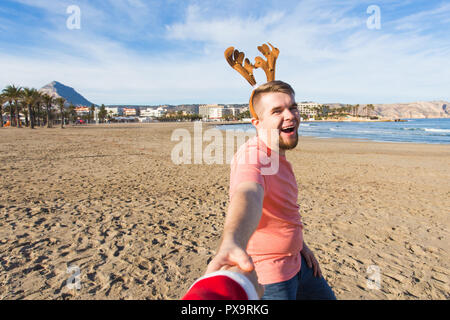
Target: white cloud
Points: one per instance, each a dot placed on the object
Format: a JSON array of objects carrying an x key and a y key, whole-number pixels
[
  {"x": 221, "y": 32},
  {"x": 424, "y": 19},
  {"x": 329, "y": 55}
]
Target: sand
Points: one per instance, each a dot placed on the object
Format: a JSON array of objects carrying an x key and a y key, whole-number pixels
[{"x": 105, "y": 207}]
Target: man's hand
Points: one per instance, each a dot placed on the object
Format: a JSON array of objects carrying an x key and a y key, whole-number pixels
[
  {"x": 230, "y": 254},
  {"x": 311, "y": 261}
]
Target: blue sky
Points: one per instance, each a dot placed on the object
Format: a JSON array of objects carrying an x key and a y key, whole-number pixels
[{"x": 171, "y": 52}]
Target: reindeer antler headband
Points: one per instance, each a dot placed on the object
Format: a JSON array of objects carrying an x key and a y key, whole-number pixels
[{"x": 235, "y": 58}]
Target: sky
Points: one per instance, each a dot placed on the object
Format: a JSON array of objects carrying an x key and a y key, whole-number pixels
[{"x": 172, "y": 52}]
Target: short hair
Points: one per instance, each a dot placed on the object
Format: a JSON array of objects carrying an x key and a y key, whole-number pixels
[{"x": 272, "y": 86}]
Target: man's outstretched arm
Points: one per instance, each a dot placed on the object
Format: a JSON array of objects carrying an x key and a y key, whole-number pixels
[{"x": 242, "y": 220}]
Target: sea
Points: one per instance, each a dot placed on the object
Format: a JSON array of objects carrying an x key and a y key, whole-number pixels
[{"x": 431, "y": 131}]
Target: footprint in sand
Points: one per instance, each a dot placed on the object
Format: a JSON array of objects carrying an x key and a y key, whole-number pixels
[{"x": 119, "y": 249}]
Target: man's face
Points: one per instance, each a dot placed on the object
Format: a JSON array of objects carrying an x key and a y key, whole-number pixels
[{"x": 279, "y": 111}]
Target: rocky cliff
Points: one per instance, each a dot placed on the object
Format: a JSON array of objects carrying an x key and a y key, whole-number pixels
[{"x": 57, "y": 89}]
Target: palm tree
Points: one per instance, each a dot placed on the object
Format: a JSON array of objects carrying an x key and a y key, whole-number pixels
[
  {"x": 91, "y": 113},
  {"x": 369, "y": 108},
  {"x": 23, "y": 106},
  {"x": 39, "y": 104},
  {"x": 102, "y": 113},
  {"x": 356, "y": 110},
  {"x": 37, "y": 109},
  {"x": 31, "y": 99},
  {"x": 2, "y": 101},
  {"x": 13, "y": 93},
  {"x": 48, "y": 101},
  {"x": 60, "y": 102},
  {"x": 72, "y": 114}
]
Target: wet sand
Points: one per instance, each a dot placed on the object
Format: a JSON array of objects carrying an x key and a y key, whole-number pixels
[{"x": 108, "y": 201}]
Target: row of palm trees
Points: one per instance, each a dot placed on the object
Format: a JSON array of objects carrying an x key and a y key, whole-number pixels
[
  {"x": 29, "y": 102},
  {"x": 354, "y": 110}
]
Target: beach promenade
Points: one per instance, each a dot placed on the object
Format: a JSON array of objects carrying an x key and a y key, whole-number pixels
[{"x": 104, "y": 207}]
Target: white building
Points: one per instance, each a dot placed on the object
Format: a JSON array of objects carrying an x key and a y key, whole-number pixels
[
  {"x": 129, "y": 111},
  {"x": 153, "y": 113},
  {"x": 235, "y": 111},
  {"x": 114, "y": 111},
  {"x": 307, "y": 108},
  {"x": 216, "y": 112},
  {"x": 82, "y": 110},
  {"x": 219, "y": 113},
  {"x": 204, "y": 110}
]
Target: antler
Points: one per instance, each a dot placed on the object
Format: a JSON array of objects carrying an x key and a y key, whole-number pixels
[
  {"x": 235, "y": 59},
  {"x": 267, "y": 65}
]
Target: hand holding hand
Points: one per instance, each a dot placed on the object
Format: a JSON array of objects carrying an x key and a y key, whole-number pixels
[
  {"x": 230, "y": 254},
  {"x": 250, "y": 275}
]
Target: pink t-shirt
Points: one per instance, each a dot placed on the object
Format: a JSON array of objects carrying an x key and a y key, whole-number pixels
[{"x": 276, "y": 244}]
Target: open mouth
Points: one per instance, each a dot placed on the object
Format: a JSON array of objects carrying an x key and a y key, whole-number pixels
[{"x": 289, "y": 129}]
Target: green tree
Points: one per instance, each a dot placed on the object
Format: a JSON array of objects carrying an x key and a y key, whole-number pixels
[
  {"x": 30, "y": 98},
  {"x": 48, "y": 101},
  {"x": 3, "y": 108},
  {"x": 23, "y": 106},
  {"x": 228, "y": 117},
  {"x": 244, "y": 115},
  {"x": 91, "y": 113},
  {"x": 41, "y": 112},
  {"x": 13, "y": 93},
  {"x": 368, "y": 109},
  {"x": 355, "y": 110},
  {"x": 37, "y": 109},
  {"x": 324, "y": 110},
  {"x": 72, "y": 114},
  {"x": 2, "y": 101},
  {"x": 102, "y": 113},
  {"x": 60, "y": 102},
  {"x": 371, "y": 108}
]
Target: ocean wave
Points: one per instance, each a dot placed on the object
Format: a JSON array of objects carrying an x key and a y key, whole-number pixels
[
  {"x": 353, "y": 131},
  {"x": 428, "y": 130},
  {"x": 413, "y": 129},
  {"x": 437, "y": 130}
]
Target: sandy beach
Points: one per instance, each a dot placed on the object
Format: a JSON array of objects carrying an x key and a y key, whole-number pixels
[{"x": 105, "y": 204}]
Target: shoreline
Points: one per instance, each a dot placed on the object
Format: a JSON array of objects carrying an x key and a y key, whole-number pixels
[
  {"x": 377, "y": 140},
  {"x": 335, "y": 120}
]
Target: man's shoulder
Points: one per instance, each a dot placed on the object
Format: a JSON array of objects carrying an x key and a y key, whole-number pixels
[
  {"x": 251, "y": 152},
  {"x": 253, "y": 144}
]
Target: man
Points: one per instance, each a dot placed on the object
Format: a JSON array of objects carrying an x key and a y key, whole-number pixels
[{"x": 263, "y": 228}]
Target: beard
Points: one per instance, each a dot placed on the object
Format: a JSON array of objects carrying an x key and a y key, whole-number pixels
[{"x": 289, "y": 145}]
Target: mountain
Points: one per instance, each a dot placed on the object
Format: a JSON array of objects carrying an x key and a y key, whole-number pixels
[
  {"x": 420, "y": 109},
  {"x": 57, "y": 89}
]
